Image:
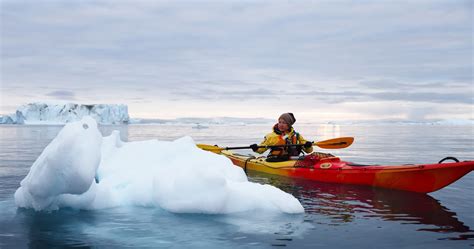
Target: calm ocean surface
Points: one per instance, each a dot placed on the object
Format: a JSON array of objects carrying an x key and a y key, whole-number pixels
[{"x": 336, "y": 216}]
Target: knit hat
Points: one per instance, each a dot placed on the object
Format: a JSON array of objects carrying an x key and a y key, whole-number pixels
[{"x": 288, "y": 117}]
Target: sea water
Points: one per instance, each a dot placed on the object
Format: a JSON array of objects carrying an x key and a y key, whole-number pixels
[{"x": 336, "y": 216}]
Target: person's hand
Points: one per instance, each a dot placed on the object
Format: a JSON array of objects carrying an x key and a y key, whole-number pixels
[
  {"x": 308, "y": 144},
  {"x": 254, "y": 147}
]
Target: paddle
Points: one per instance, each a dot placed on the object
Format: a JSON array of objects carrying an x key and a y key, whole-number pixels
[{"x": 335, "y": 143}]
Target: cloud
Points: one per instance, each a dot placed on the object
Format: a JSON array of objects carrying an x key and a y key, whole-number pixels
[
  {"x": 392, "y": 94},
  {"x": 237, "y": 52},
  {"x": 363, "y": 39},
  {"x": 392, "y": 84},
  {"x": 61, "y": 94},
  {"x": 430, "y": 97}
]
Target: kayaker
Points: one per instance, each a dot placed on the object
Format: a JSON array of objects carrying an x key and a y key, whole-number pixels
[{"x": 283, "y": 133}]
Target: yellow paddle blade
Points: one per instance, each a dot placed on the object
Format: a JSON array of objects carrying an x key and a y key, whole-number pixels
[
  {"x": 212, "y": 148},
  {"x": 335, "y": 143}
]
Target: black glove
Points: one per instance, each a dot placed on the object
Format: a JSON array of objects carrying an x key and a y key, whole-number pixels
[
  {"x": 254, "y": 147},
  {"x": 308, "y": 144}
]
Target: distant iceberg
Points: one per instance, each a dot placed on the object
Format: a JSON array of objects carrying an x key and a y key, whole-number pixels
[
  {"x": 200, "y": 126},
  {"x": 456, "y": 122},
  {"x": 46, "y": 113},
  {"x": 6, "y": 119}
]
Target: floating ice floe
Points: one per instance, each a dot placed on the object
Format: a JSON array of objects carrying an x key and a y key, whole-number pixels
[{"x": 172, "y": 175}]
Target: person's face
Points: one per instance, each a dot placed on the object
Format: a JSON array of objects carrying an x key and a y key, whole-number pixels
[{"x": 282, "y": 125}]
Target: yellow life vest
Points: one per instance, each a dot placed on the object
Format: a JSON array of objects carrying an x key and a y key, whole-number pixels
[{"x": 279, "y": 138}]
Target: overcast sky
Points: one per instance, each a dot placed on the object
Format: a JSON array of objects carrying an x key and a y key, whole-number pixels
[{"x": 322, "y": 60}]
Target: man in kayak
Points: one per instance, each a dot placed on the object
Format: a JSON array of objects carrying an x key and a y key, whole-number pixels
[{"x": 283, "y": 133}]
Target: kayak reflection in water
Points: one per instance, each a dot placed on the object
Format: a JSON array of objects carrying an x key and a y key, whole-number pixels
[
  {"x": 348, "y": 203},
  {"x": 283, "y": 134}
]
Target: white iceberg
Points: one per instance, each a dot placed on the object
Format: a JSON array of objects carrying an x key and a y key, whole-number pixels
[
  {"x": 6, "y": 119},
  {"x": 55, "y": 113},
  {"x": 172, "y": 175}
]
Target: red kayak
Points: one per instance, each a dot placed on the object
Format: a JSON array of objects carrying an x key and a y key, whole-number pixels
[{"x": 422, "y": 178}]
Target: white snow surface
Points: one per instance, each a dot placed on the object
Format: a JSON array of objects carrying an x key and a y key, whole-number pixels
[
  {"x": 61, "y": 113},
  {"x": 172, "y": 175}
]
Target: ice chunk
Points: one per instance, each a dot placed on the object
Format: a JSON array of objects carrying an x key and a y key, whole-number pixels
[
  {"x": 173, "y": 175},
  {"x": 66, "y": 166}
]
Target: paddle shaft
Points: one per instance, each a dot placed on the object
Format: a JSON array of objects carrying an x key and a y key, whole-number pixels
[
  {"x": 335, "y": 143},
  {"x": 259, "y": 147},
  {"x": 279, "y": 146}
]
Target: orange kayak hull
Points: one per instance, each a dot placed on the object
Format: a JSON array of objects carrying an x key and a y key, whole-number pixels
[{"x": 422, "y": 178}]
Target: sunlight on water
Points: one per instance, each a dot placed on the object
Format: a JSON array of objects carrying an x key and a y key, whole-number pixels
[{"x": 328, "y": 131}]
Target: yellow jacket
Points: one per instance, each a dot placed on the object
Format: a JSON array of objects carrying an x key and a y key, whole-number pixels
[{"x": 279, "y": 138}]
